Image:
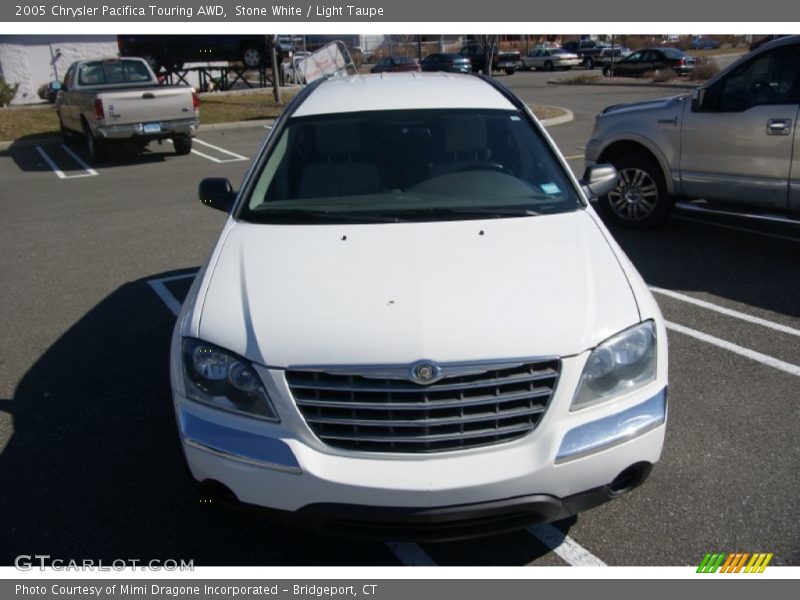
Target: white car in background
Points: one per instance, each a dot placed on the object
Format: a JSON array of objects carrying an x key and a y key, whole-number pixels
[
  {"x": 414, "y": 325},
  {"x": 550, "y": 59}
]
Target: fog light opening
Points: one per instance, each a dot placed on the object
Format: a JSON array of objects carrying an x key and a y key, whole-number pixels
[{"x": 629, "y": 479}]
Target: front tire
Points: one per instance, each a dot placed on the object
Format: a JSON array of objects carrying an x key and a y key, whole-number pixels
[
  {"x": 640, "y": 201},
  {"x": 588, "y": 63},
  {"x": 183, "y": 145},
  {"x": 548, "y": 66},
  {"x": 510, "y": 71}
]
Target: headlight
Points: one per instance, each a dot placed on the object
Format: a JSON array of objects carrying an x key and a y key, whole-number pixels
[
  {"x": 224, "y": 380},
  {"x": 619, "y": 365}
]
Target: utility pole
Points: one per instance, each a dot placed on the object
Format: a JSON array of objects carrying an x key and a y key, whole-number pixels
[{"x": 276, "y": 84}]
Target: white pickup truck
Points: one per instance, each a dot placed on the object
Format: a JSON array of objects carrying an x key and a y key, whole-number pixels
[{"x": 121, "y": 100}]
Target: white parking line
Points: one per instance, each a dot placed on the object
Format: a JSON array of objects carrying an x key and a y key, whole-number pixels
[
  {"x": 411, "y": 555},
  {"x": 777, "y": 236},
  {"x": 79, "y": 160},
  {"x": 164, "y": 294},
  {"x": 727, "y": 311},
  {"x": 218, "y": 149},
  {"x": 238, "y": 157},
  {"x": 563, "y": 545},
  {"x": 59, "y": 173},
  {"x": 736, "y": 349}
]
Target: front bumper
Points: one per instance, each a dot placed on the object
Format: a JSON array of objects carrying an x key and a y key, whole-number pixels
[
  {"x": 441, "y": 523},
  {"x": 536, "y": 478}
]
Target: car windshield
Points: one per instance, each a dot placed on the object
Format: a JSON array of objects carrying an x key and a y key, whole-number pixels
[{"x": 408, "y": 165}]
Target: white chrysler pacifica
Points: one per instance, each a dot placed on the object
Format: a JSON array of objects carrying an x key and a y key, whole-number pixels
[{"x": 413, "y": 323}]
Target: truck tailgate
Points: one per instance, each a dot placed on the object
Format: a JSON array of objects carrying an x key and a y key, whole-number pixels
[{"x": 147, "y": 104}]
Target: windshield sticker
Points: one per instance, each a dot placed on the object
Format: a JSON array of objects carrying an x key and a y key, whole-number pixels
[{"x": 550, "y": 188}]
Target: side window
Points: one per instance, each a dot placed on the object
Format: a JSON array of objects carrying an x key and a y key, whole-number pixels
[
  {"x": 653, "y": 56},
  {"x": 772, "y": 78},
  {"x": 636, "y": 57}
]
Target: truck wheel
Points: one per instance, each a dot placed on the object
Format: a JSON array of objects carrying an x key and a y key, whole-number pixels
[
  {"x": 96, "y": 147},
  {"x": 606, "y": 71},
  {"x": 588, "y": 63},
  {"x": 510, "y": 70},
  {"x": 640, "y": 201},
  {"x": 548, "y": 66},
  {"x": 252, "y": 56},
  {"x": 183, "y": 145}
]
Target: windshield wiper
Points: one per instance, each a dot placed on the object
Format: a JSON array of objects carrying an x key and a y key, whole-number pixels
[
  {"x": 301, "y": 214},
  {"x": 478, "y": 212}
]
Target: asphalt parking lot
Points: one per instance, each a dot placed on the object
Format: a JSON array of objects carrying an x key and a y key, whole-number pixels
[{"x": 96, "y": 258}]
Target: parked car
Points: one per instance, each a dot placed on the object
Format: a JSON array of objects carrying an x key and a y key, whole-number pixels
[
  {"x": 336, "y": 362},
  {"x": 121, "y": 100},
  {"x": 763, "y": 40},
  {"x": 171, "y": 52},
  {"x": 446, "y": 61},
  {"x": 652, "y": 60},
  {"x": 549, "y": 59},
  {"x": 508, "y": 62},
  {"x": 731, "y": 141},
  {"x": 394, "y": 64},
  {"x": 618, "y": 52},
  {"x": 590, "y": 52},
  {"x": 703, "y": 43}
]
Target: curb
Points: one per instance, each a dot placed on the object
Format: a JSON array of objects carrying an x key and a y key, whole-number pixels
[
  {"x": 565, "y": 118},
  {"x": 686, "y": 86},
  {"x": 553, "y": 121},
  {"x": 28, "y": 143}
]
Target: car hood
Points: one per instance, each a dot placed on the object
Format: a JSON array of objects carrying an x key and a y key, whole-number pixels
[
  {"x": 396, "y": 293},
  {"x": 657, "y": 104}
]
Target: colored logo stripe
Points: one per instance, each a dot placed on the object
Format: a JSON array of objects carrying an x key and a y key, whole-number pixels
[{"x": 733, "y": 563}]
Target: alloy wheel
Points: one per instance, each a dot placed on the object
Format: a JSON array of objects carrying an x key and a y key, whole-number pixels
[{"x": 636, "y": 196}]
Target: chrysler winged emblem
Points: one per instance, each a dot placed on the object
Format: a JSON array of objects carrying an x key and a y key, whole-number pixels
[{"x": 425, "y": 372}]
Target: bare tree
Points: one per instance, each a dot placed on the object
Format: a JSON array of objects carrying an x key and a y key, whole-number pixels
[{"x": 488, "y": 45}]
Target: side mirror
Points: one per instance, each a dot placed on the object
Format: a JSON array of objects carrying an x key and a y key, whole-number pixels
[
  {"x": 217, "y": 192},
  {"x": 698, "y": 95},
  {"x": 598, "y": 180}
]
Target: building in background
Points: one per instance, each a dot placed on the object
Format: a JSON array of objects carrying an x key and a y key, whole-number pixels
[{"x": 35, "y": 60}]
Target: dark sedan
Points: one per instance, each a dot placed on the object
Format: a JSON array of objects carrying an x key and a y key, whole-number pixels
[
  {"x": 446, "y": 61},
  {"x": 393, "y": 64},
  {"x": 652, "y": 60}
]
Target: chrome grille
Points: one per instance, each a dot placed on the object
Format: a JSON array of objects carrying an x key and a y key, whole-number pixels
[{"x": 390, "y": 415}]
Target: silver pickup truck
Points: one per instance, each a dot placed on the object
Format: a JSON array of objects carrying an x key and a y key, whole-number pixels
[
  {"x": 732, "y": 141},
  {"x": 120, "y": 99}
]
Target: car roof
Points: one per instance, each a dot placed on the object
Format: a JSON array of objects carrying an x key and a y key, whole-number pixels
[{"x": 402, "y": 91}]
